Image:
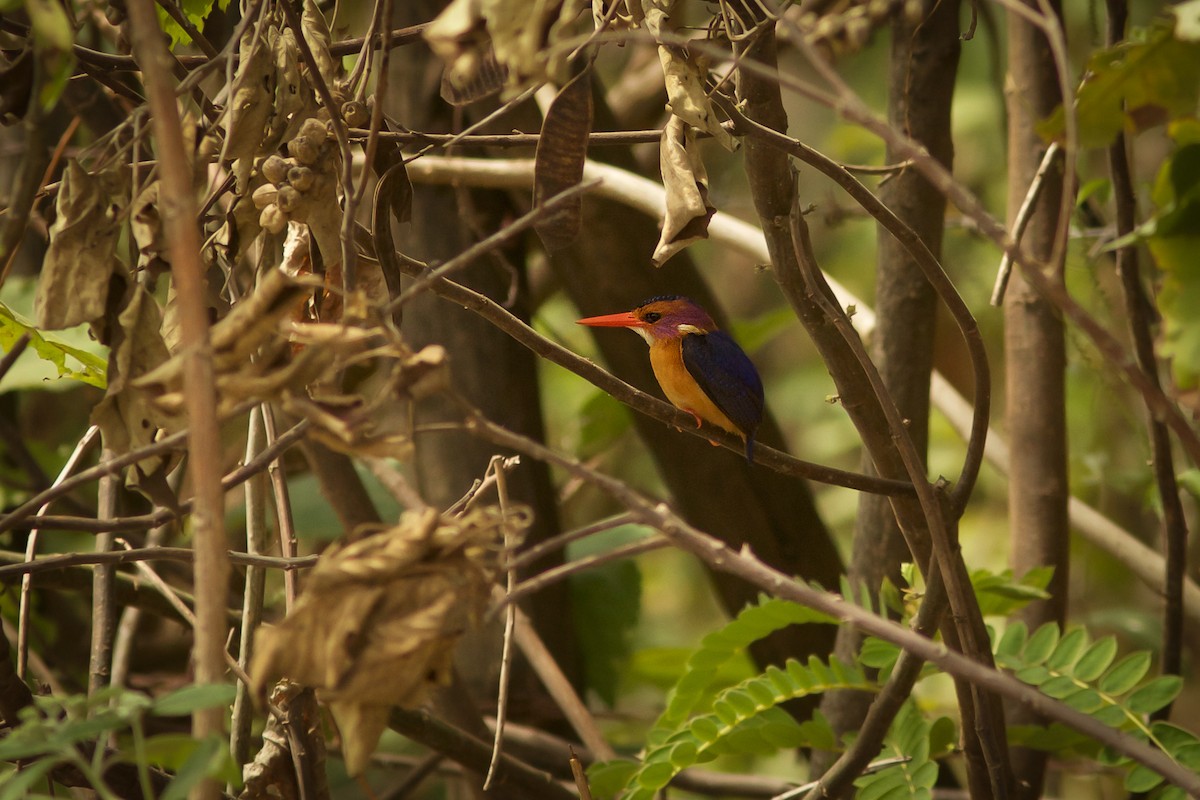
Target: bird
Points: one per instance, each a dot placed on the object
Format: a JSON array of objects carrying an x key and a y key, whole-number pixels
[{"x": 700, "y": 368}]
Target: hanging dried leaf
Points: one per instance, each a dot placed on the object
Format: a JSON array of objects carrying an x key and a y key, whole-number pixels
[
  {"x": 316, "y": 35},
  {"x": 253, "y": 98},
  {"x": 294, "y": 99},
  {"x": 520, "y": 33},
  {"x": 379, "y": 618},
  {"x": 489, "y": 76},
  {"x": 459, "y": 37},
  {"x": 370, "y": 413},
  {"x": 684, "y": 76},
  {"x": 127, "y": 417},
  {"x": 524, "y": 35},
  {"x": 686, "y": 182},
  {"x": 561, "y": 152},
  {"x": 250, "y": 352},
  {"x": 146, "y": 225},
  {"x": 74, "y": 285}
]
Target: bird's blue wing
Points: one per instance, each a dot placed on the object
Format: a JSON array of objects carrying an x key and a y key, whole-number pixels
[{"x": 728, "y": 377}]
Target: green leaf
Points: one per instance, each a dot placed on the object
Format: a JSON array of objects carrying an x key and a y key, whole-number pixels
[
  {"x": 1125, "y": 674},
  {"x": 20, "y": 785},
  {"x": 1013, "y": 640},
  {"x": 1041, "y": 644},
  {"x": 1069, "y": 648},
  {"x": 1142, "y": 779},
  {"x": 1095, "y": 659},
  {"x": 67, "y": 360},
  {"x": 606, "y": 603},
  {"x": 185, "y": 701},
  {"x": 1156, "y": 694},
  {"x": 1138, "y": 84},
  {"x": 209, "y": 759},
  {"x": 606, "y": 778}
]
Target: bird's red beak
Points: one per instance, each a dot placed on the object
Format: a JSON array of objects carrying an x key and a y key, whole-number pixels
[{"x": 625, "y": 319}]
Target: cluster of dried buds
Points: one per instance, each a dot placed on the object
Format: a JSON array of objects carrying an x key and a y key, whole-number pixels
[{"x": 294, "y": 183}]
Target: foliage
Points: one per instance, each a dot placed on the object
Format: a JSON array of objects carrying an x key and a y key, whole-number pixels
[
  {"x": 1087, "y": 676},
  {"x": 64, "y": 730},
  {"x": 83, "y": 366}
]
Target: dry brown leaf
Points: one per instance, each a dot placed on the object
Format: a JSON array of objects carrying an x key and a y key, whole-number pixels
[
  {"x": 686, "y": 182},
  {"x": 520, "y": 33},
  {"x": 74, "y": 285},
  {"x": 316, "y": 34},
  {"x": 683, "y": 75},
  {"x": 128, "y": 417},
  {"x": 295, "y": 739},
  {"x": 561, "y": 152},
  {"x": 379, "y": 618},
  {"x": 253, "y": 100}
]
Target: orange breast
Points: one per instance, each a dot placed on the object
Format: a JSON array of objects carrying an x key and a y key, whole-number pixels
[{"x": 666, "y": 357}]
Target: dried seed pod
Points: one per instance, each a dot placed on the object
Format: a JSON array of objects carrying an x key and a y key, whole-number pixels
[
  {"x": 303, "y": 151},
  {"x": 301, "y": 178},
  {"x": 287, "y": 199},
  {"x": 355, "y": 114},
  {"x": 264, "y": 195},
  {"x": 313, "y": 131},
  {"x": 275, "y": 169},
  {"x": 272, "y": 219}
]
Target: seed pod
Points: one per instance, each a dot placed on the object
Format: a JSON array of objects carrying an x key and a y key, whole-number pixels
[
  {"x": 356, "y": 114},
  {"x": 313, "y": 131},
  {"x": 264, "y": 195},
  {"x": 272, "y": 219},
  {"x": 301, "y": 178},
  {"x": 275, "y": 169},
  {"x": 303, "y": 151},
  {"x": 287, "y": 199}
]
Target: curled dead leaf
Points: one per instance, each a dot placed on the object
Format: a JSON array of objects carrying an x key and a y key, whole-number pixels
[
  {"x": 686, "y": 182},
  {"x": 379, "y": 618},
  {"x": 521, "y": 35},
  {"x": 74, "y": 285}
]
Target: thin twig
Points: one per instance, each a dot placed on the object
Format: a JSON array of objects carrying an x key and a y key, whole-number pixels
[
  {"x": 1024, "y": 214},
  {"x": 257, "y": 542},
  {"x": 563, "y": 571},
  {"x": 494, "y": 242},
  {"x": 133, "y": 555},
  {"x": 284, "y": 524},
  {"x": 32, "y": 542},
  {"x": 531, "y": 554},
  {"x": 104, "y": 614},
  {"x": 498, "y": 467}
]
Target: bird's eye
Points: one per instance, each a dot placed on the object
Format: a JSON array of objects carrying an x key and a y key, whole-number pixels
[{"x": 652, "y": 317}]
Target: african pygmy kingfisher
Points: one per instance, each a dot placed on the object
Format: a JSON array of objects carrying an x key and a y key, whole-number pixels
[{"x": 701, "y": 369}]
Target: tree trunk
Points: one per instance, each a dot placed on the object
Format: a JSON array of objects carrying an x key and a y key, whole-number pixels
[
  {"x": 1035, "y": 355},
  {"x": 921, "y": 72}
]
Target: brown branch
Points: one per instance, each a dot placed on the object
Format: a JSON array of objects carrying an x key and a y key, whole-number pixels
[
  {"x": 18, "y": 566},
  {"x": 178, "y": 210},
  {"x": 143, "y": 521},
  {"x": 474, "y": 753},
  {"x": 110, "y": 61},
  {"x": 638, "y": 400},
  {"x": 1175, "y": 530},
  {"x": 491, "y": 243},
  {"x": 932, "y": 269}
]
